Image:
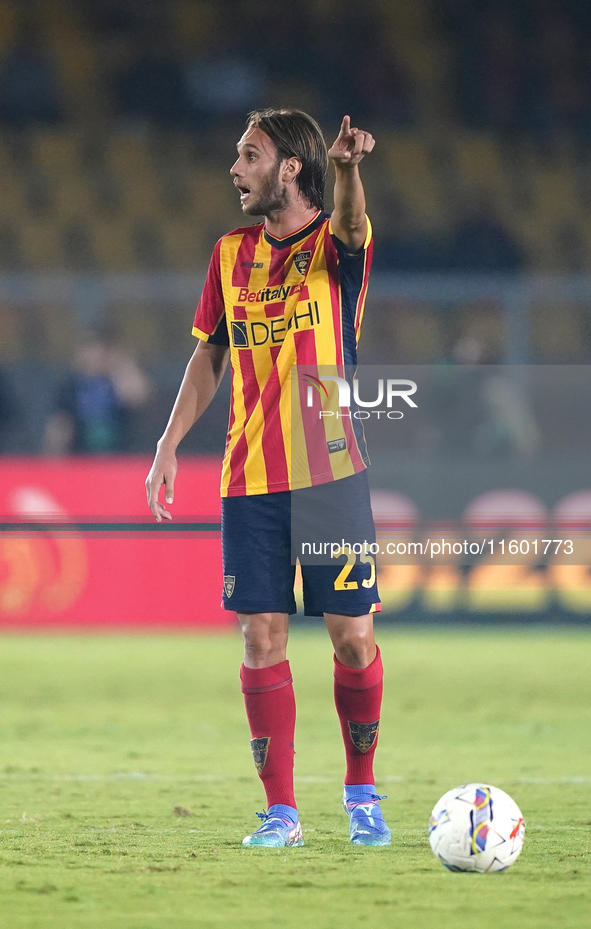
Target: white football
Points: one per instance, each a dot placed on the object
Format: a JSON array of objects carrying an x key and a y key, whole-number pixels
[{"x": 476, "y": 827}]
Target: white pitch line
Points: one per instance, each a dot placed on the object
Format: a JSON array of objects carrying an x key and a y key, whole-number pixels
[{"x": 144, "y": 776}]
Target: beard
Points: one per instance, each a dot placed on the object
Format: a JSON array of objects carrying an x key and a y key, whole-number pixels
[{"x": 272, "y": 198}]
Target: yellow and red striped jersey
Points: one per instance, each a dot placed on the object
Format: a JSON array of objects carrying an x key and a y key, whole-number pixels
[{"x": 278, "y": 304}]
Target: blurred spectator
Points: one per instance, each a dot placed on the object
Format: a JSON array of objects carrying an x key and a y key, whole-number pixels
[
  {"x": 468, "y": 350},
  {"x": 509, "y": 426},
  {"x": 96, "y": 400},
  {"x": 150, "y": 88},
  {"x": 481, "y": 242},
  {"x": 29, "y": 86}
]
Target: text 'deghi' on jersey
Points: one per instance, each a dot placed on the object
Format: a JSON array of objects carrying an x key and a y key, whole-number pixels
[{"x": 279, "y": 303}]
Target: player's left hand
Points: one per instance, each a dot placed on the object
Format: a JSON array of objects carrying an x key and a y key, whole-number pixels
[{"x": 351, "y": 144}]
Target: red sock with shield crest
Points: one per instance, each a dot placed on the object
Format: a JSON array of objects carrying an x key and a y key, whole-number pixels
[
  {"x": 358, "y": 699},
  {"x": 271, "y": 711}
]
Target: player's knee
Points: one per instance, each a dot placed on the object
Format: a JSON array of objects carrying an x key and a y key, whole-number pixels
[
  {"x": 264, "y": 643},
  {"x": 355, "y": 648}
]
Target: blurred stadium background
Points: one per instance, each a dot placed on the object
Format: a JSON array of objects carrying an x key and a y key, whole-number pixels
[{"x": 118, "y": 121}]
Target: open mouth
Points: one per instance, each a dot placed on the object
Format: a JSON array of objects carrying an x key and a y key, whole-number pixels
[{"x": 244, "y": 191}]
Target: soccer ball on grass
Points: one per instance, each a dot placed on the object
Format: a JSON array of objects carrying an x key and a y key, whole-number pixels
[{"x": 476, "y": 827}]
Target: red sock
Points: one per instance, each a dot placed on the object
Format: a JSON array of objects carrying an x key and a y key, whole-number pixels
[
  {"x": 270, "y": 708},
  {"x": 358, "y": 699}
]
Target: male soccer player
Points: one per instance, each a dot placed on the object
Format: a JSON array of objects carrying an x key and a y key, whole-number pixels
[{"x": 289, "y": 291}]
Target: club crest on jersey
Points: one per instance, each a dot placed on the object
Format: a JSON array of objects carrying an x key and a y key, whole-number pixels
[
  {"x": 260, "y": 750},
  {"x": 301, "y": 261},
  {"x": 229, "y": 584},
  {"x": 363, "y": 735}
]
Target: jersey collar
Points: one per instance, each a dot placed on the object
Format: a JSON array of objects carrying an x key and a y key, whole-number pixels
[{"x": 290, "y": 240}]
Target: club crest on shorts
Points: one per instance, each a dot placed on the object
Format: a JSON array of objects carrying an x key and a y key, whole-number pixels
[
  {"x": 260, "y": 750},
  {"x": 363, "y": 735},
  {"x": 229, "y": 584},
  {"x": 301, "y": 261}
]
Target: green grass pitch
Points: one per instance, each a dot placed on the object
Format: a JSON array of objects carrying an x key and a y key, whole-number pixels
[{"x": 126, "y": 784}]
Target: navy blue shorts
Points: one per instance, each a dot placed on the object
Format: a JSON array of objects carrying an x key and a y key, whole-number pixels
[{"x": 262, "y": 534}]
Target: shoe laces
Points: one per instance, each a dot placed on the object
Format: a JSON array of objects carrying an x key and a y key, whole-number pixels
[
  {"x": 373, "y": 798},
  {"x": 269, "y": 817}
]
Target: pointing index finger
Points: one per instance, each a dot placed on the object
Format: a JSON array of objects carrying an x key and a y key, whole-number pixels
[{"x": 346, "y": 124}]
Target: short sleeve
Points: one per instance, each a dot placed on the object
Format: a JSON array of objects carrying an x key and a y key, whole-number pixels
[{"x": 210, "y": 317}]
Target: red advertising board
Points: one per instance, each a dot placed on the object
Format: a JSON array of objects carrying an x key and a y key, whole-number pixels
[
  {"x": 115, "y": 568},
  {"x": 91, "y": 579}
]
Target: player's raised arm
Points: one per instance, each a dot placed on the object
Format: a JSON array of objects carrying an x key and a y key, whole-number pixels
[
  {"x": 202, "y": 378},
  {"x": 349, "y": 222}
]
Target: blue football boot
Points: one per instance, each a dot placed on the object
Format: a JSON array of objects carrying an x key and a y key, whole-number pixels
[
  {"x": 276, "y": 831},
  {"x": 366, "y": 820}
]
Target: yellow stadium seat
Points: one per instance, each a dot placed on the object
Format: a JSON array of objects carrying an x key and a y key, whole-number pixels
[
  {"x": 558, "y": 332},
  {"x": 40, "y": 241},
  {"x": 554, "y": 192},
  {"x": 113, "y": 244},
  {"x": 410, "y": 163},
  {"x": 8, "y": 24},
  {"x": 55, "y": 151},
  {"x": 480, "y": 163},
  {"x": 11, "y": 333},
  {"x": 140, "y": 196},
  {"x": 193, "y": 23},
  {"x": 130, "y": 161},
  {"x": 536, "y": 240},
  {"x": 72, "y": 196},
  {"x": 128, "y": 154},
  {"x": 12, "y": 201},
  {"x": 183, "y": 241}
]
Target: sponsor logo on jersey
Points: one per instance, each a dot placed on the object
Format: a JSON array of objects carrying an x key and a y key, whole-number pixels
[
  {"x": 239, "y": 333},
  {"x": 260, "y": 750},
  {"x": 363, "y": 735},
  {"x": 269, "y": 294},
  {"x": 229, "y": 584},
  {"x": 251, "y": 334},
  {"x": 251, "y": 264},
  {"x": 301, "y": 261}
]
